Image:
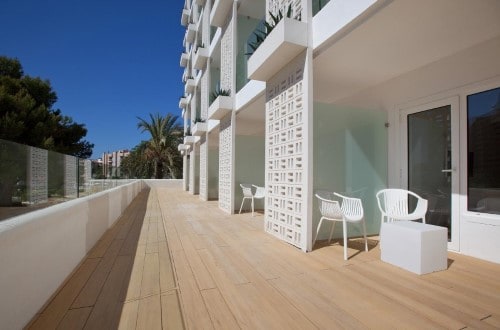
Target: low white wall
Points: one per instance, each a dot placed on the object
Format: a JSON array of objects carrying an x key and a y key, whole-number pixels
[{"x": 39, "y": 250}]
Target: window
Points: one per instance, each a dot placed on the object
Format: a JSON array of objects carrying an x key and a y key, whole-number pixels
[{"x": 483, "y": 165}]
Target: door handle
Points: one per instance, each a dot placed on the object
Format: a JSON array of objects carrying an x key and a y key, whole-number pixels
[{"x": 447, "y": 171}]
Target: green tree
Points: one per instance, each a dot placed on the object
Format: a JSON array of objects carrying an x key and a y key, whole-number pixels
[
  {"x": 27, "y": 116},
  {"x": 161, "y": 149},
  {"x": 136, "y": 165}
]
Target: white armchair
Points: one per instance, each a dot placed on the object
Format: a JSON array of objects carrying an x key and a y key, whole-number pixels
[
  {"x": 351, "y": 211},
  {"x": 393, "y": 204},
  {"x": 248, "y": 194}
]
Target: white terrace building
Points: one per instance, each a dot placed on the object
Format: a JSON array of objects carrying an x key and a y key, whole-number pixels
[{"x": 350, "y": 96}]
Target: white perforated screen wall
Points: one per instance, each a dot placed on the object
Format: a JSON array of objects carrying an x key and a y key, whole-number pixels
[
  {"x": 285, "y": 160},
  {"x": 225, "y": 163}
]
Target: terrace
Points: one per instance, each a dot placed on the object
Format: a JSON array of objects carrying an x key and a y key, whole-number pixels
[{"x": 173, "y": 261}]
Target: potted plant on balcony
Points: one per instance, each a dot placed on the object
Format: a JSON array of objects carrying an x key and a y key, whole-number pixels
[
  {"x": 219, "y": 92},
  {"x": 260, "y": 35}
]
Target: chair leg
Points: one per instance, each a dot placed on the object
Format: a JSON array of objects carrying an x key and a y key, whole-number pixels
[
  {"x": 344, "y": 225},
  {"x": 252, "y": 207},
  {"x": 364, "y": 234},
  {"x": 317, "y": 230},
  {"x": 331, "y": 232},
  {"x": 243, "y": 201}
]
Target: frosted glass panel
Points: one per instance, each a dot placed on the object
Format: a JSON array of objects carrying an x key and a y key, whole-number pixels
[{"x": 350, "y": 157}]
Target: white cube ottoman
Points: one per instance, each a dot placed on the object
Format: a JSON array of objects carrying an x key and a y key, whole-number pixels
[{"x": 414, "y": 246}]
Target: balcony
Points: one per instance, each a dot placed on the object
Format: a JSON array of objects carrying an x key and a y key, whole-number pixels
[
  {"x": 131, "y": 276},
  {"x": 184, "y": 60},
  {"x": 200, "y": 58},
  {"x": 189, "y": 139},
  {"x": 190, "y": 33},
  {"x": 220, "y": 107},
  {"x": 287, "y": 40},
  {"x": 189, "y": 87},
  {"x": 185, "y": 17},
  {"x": 219, "y": 12},
  {"x": 183, "y": 102},
  {"x": 183, "y": 147},
  {"x": 199, "y": 128}
]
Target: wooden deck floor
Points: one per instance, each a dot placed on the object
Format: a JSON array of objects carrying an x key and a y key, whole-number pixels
[{"x": 173, "y": 262}]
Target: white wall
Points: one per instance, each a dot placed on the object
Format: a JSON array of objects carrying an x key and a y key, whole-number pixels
[{"x": 39, "y": 250}]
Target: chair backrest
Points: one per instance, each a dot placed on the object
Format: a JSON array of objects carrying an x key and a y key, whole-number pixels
[
  {"x": 351, "y": 207},
  {"x": 394, "y": 201},
  {"x": 260, "y": 192},
  {"x": 247, "y": 189},
  {"x": 329, "y": 208}
]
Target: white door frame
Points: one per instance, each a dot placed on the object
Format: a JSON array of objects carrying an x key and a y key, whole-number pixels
[{"x": 453, "y": 102}]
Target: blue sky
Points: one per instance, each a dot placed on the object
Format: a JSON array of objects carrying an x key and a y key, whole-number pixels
[{"x": 108, "y": 61}]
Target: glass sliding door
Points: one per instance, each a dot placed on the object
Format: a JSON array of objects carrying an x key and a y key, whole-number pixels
[{"x": 431, "y": 160}]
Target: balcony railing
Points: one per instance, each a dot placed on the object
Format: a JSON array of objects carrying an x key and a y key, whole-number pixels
[
  {"x": 185, "y": 17},
  {"x": 200, "y": 58},
  {"x": 220, "y": 107},
  {"x": 183, "y": 102},
  {"x": 190, "y": 33},
  {"x": 184, "y": 60},
  {"x": 189, "y": 87},
  {"x": 199, "y": 128},
  {"x": 189, "y": 139},
  {"x": 287, "y": 40}
]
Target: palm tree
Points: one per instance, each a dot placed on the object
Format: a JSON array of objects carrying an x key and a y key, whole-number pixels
[{"x": 166, "y": 135}]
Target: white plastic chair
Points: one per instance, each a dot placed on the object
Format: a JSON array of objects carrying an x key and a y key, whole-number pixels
[
  {"x": 260, "y": 193},
  {"x": 393, "y": 204},
  {"x": 351, "y": 210},
  {"x": 247, "y": 194}
]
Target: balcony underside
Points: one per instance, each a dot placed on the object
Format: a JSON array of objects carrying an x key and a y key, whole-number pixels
[{"x": 129, "y": 278}]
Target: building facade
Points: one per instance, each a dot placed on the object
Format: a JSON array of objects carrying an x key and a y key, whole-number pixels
[
  {"x": 111, "y": 161},
  {"x": 346, "y": 96}
]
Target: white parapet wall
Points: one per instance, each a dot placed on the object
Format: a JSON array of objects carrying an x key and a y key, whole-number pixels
[{"x": 39, "y": 250}]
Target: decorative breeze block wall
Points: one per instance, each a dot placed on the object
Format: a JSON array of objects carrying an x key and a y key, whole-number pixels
[
  {"x": 204, "y": 95},
  {"x": 226, "y": 69},
  {"x": 286, "y": 205},
  {"x": 274, "y": 6},
  {"x": 38, "y": 175},
  {"x": 225, "y": 164},
  {"x": 70, "y": 176},
  {"x": 192, "y": 160},
  {"x": 203, "y": 167},
  {"x": 185, "y": 172}
]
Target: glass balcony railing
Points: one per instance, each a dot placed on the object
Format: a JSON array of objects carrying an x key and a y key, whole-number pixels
[
  {"x": 33, "y": 178},
  {"x": 248, "y": 28},
  {"x": 317, "y": 5}
]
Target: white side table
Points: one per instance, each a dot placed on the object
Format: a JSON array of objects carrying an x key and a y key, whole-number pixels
[{"x": 414, "y": 246}]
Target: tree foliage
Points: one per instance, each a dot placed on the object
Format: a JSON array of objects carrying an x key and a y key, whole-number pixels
[
  {"x": 158, "y": 157},
  {"x": 27, "y": 116}
]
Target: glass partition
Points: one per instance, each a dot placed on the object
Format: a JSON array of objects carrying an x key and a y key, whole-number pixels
[
  {"x": 246, "y": 34},
  {"x": 33, "y": 178},
  {"x": 350, "y": 157}
]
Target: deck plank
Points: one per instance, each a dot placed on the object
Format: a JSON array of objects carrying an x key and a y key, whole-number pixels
[{"x": 174, "y": 262}]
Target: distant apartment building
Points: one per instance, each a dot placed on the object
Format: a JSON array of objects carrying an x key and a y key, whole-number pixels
[
  {"x": 346, "y": 96},
  {"x": 111, "y": 161}
]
